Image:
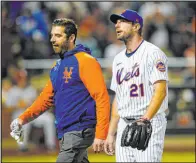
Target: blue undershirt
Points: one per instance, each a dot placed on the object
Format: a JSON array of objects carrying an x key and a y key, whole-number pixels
[{"x": 130, "y": 54}]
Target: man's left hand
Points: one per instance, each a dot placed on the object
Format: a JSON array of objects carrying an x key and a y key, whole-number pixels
[{"x": 98, "y": 145}]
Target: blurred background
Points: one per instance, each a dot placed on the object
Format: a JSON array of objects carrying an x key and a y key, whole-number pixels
[{"x": 27, "y": 56}]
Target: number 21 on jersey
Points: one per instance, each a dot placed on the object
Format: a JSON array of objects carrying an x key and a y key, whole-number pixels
[{"x": 136, "y": 90}]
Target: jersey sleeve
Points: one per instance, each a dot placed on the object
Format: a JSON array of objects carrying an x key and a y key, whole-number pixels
[
  {"x": 113, "y": 81},
  {"x": 91, "y": 75},
  {"x": 40, "y": 105},
  {"x": 157, "y": 66}
]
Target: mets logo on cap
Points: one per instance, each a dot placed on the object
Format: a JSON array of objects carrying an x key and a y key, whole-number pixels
[
  {"x": 123, "y": 12},
  {"x": 160, "y": 66}
]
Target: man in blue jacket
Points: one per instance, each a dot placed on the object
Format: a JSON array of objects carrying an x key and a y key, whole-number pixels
[{"x": 77, "y": 91}]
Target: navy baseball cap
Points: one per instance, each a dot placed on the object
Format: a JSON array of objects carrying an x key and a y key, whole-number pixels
[{"x": 129, "y": 15}]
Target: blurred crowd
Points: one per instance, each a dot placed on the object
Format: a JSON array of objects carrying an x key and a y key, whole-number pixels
[
  {"x": 26, "y": 34},
  {"x": 26, "y": 27},
  {"x": 17, "y": 95}
]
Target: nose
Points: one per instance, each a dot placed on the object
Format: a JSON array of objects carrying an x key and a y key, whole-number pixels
[{"x": 52, "y": 40}]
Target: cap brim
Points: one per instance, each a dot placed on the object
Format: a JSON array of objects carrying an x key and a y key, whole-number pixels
[{"x": 115, "y": 17}]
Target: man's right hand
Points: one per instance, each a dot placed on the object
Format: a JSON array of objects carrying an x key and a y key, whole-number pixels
[
  {"x": 109, "y": 145},
  {"x": 16, "y": 130}
]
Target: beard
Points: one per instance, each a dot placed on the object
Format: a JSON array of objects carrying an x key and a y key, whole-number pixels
[
  {"x": 125, "y": 37},
  {"x": 60, "y": 50}
]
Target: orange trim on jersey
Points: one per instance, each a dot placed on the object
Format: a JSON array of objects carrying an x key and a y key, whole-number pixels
[
  {"x": 41, "y": 104},
  {"x": 92, "y": 77}
]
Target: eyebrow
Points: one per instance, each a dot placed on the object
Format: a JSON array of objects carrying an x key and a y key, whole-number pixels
[{"x": 55, "y": 34}]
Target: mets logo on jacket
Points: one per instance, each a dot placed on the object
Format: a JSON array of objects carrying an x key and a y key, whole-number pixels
[{"x": 67, "y": 73}]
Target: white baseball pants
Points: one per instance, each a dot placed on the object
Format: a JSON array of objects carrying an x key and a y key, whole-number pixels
[{"x": 153, "y": 152}]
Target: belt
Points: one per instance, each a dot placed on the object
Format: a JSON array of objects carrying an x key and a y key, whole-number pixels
[{"x": 128, "y": 119}]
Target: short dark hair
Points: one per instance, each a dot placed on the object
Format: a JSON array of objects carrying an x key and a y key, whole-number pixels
[{"x": 69, "y": 24}]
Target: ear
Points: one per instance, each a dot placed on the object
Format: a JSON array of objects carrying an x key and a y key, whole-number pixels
[
  {"x": 72, "y": 38},
  {"x": 137, "y": 26}
]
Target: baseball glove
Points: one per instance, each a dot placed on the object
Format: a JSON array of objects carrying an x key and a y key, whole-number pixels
[{"x": 137, "y": 135}]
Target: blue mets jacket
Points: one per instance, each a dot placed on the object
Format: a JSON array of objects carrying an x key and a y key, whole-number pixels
[{"x": 77, "y": 92}]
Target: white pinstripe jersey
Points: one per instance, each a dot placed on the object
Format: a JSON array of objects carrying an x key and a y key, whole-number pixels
[{"x": 133, "y": 79}]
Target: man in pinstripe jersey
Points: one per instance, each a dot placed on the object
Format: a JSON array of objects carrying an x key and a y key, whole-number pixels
[{"x": 140, "y": 81}]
